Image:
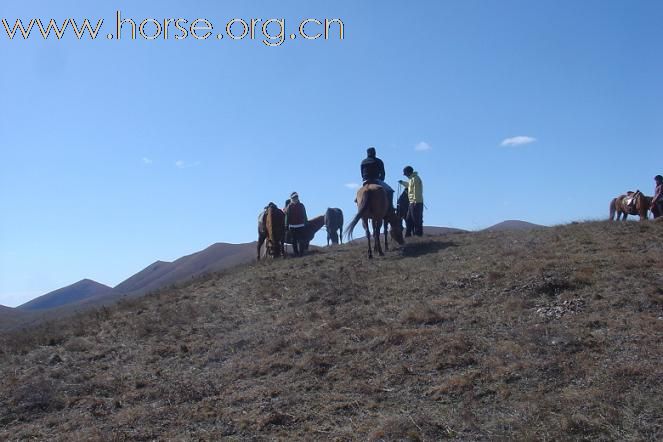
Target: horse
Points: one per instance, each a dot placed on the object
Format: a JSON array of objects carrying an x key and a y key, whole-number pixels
[
  {"x": 271, "y": 228},
  {"x": 373, "y": 204},
  {"x": 334, "y": 222},
  {"x": 402, "y": 206},
  {"x": 309, "y": 230},
  {"x": 633, "y": 203}
]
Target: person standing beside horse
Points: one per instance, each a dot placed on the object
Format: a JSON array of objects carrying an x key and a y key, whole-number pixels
[
  {"x": 657, "y": 200},
  {"x": 372, "y": 171},
  {"x": 414, "y": 221},
  {"x": 295, "y": 221}
]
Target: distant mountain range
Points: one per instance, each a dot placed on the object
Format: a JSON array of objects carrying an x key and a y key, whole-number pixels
[
  {"x": 161, "y": 274},
  {"x": 216, "y": 257},
  {"x": 435, "y": 231},
  {"x": 513, "y": 225},
  {"x": 82, "y": 290}
]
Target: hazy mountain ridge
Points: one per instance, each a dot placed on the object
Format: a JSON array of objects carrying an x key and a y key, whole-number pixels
[
  {"x": 144, "y": 277},
  {"x": 161, "y": 274},
  {"x": 513, "y": 224},
  {"x": 79, "y": 291},
  {"x": 88, "y": 293}
]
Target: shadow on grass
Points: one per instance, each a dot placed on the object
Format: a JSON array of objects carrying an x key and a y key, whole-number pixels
[{"x": 413, "y": 250}]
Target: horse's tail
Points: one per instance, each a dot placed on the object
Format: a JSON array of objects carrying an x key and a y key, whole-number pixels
[
  {"x": 613, "y": 208},
  {"x": 360, "y": 210}
]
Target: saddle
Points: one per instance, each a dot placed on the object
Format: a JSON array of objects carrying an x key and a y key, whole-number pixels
[{"x": 630, "y": 200}]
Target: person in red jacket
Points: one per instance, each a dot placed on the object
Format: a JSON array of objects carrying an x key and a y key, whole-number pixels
[
  {"x": 295, "y": 221},
  {"x": 657, "y": 200}
]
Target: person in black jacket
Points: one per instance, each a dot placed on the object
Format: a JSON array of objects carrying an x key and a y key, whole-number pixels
[
  {"x": 295, "y": 221},
  {"x": 372, "y": 168},
  {"x": 372, "y": 171}
]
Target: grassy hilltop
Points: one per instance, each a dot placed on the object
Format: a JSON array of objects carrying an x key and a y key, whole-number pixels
[{"x": 544, "y": 334}]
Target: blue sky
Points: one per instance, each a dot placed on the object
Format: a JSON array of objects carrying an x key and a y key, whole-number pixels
[{"x": 119, "y": 153}]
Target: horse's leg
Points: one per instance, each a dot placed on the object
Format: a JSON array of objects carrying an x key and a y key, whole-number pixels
[
  {"x": 368, "y": 237},
  {"x": 340, "y": 236},
  {"x": 261, "y": 240},
  {"x": 386, "y": 236},
  {"x": 377, "y": 227}
]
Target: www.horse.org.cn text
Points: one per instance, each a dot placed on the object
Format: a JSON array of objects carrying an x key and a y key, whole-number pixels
[{"x": 271, "y": 32}]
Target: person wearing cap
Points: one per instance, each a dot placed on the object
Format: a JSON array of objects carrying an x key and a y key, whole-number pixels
[
  {"x": 657, "y": 199},
  {"x": 414, "y": 221},
  {"x": 372, "y": 171},
  {"x": 295, "y": 221}
]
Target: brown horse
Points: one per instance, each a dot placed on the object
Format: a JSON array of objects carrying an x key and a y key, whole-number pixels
[
  {"x": 633, "y": 203},
  {"x": 271, "y": 228},
  {"x": 373, "y": 204}
]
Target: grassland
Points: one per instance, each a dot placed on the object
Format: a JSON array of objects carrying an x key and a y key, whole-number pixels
[{"x": 548, "y": 334}]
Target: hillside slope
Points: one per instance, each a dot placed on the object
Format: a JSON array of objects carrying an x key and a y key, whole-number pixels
[
  {"x": 545, "y": 334},
  {"x": 9, "y": 315}
]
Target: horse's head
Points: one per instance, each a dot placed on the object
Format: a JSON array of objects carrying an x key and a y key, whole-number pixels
[
  {"x": 642, "y": 202},
  {"x": 402, "y": 205},
  {"x": 273, "y": 248},
  {"x": 396, "y": 228}
]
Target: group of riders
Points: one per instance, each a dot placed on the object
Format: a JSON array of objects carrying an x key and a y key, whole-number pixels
[
  {"x": 410, "y": 204},
  {"x": 372, "y": 172}
]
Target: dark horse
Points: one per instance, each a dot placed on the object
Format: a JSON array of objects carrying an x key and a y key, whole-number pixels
[
  {"x": 271, "y": 227},
  {"x": 373, "y": 204},
  {"x": 334, "y": 223},
  {"x": 310, "y": 229},
  {"x": 402, "y": 206},
  {"x": 633, "y": 203}
]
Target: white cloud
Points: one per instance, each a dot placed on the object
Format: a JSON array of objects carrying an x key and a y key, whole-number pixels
[
  {"x": 352, "y": 186},
  {"x": 183, "y": 164},
  {"x": 520, "y": 140},
  {"x": 422, "y": 147},
  {"x": 147, "y": 160}
]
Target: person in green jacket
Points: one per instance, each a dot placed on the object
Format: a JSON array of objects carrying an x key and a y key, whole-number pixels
[{"x": 414, "y": 221}]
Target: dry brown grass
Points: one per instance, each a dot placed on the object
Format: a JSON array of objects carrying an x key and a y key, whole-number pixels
[{"x": 445, "y": 338}]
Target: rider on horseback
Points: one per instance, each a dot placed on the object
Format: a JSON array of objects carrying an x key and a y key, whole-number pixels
[{"x": 372, "y": 171}]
